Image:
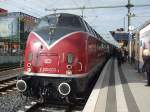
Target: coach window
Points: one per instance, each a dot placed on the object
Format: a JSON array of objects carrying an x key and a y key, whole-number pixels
[
  {"x": 43, "y": 23},
  {"x": 100, "y": 45}
]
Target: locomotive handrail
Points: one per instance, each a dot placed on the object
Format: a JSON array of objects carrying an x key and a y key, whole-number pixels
[{"x": 80, "y": 66}]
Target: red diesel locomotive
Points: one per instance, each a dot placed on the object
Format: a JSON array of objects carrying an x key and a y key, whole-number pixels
[{"x": 62, "y": 55}]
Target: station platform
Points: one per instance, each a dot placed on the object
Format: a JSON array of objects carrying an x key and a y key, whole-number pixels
[{"x": 119, "y": 89}]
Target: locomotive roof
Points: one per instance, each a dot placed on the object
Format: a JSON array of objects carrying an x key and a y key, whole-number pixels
[
  {"x": 62, "y": 14},
  {"x": 68, "y": 14}
]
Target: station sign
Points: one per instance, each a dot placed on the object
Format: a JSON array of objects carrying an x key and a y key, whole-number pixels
[{"x": 131, "y": 28}]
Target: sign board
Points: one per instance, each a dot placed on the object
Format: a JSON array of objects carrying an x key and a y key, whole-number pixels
[
  {"x": 121, "y": 36},
  {"x": 131, "y": 28}
]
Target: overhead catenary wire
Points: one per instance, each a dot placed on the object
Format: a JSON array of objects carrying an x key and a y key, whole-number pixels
[
  {"x": 97, "y": 7},
  {"x": 51, "y": 6},
  {"x": 142, "y": 5},
  {"x": 129, "y": 6},
  {"x": 85, "y": 7}
]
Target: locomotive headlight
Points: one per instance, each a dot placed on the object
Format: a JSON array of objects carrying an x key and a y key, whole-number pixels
[
  {"x": 29, "y": 69},
  {"x": 21, "y": 85},
  {"x": 64, "y": 89},
  {"x": 29, "y": 65},
  {"x": 68, "y": 72},
  {"x": 70, "y": 58},
  {"x": 69, "y": 67}
]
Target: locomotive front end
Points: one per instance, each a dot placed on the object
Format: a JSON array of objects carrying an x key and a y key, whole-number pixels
[{"x": 55, "y": 59}]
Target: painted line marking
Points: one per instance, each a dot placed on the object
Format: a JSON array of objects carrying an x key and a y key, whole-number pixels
[
  {"x": 120, "y": 97},
  {"x": 91, "y": 103},
  {"x": 101, "y": 101}
]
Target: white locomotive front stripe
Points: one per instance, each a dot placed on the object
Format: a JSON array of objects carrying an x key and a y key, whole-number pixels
[{"x": 50, "y": 46}]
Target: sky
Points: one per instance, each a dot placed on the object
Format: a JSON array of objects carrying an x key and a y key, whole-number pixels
[{"x": 102, "y": 20}]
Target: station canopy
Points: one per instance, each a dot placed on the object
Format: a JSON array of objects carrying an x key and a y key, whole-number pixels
[
  {"x": 121, "y": 36},
  {"x": 110, "y": 40}
]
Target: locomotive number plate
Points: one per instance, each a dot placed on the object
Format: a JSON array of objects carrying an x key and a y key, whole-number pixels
[{"x": 49, "y": 70}]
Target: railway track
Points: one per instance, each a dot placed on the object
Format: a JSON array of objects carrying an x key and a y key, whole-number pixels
[
  {"x": 10, "y": 66},
  {"x": 35, "y": 106},
  {"x": 8, "y": 80},
  {"x": 9, "y": 73},
  {"x": 7, "y": 85},
  {"x": 45, "y": 107}
]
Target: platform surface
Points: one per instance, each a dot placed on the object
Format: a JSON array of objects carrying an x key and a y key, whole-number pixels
[{"x": 119, "y": 89}]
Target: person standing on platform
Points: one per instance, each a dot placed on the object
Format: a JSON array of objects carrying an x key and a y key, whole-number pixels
[
  {"x": 123, "y": 55},
  {"x": 126, "y": 55},
  {"x": 119, "y": 56},
  {"x": 146, "y": 59}
]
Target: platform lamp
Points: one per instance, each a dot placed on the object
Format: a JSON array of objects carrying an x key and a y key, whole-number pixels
[{"x": 131, "y": 28}]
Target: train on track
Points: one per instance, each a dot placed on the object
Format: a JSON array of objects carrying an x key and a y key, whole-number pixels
[{"x": 62, "y": 56}]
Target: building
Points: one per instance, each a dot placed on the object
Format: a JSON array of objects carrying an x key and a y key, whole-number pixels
[
  {"x": 141, "y": 40},
  {"x": 14, "y": 29}
]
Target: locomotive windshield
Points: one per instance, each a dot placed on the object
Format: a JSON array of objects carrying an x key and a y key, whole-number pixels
[{"x": 53, "y": 27}]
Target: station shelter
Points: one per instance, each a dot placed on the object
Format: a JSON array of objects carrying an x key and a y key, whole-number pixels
[{"x": 121, "y": 37}]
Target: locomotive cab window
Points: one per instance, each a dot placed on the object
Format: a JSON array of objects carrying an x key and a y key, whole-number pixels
[
  {"x": 69, "y": 21},
  {"x": 54, "y": 27}
]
